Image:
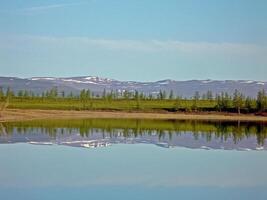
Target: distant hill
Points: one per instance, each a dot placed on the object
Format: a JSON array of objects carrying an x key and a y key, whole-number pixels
[{"x": 97, "y": 85}]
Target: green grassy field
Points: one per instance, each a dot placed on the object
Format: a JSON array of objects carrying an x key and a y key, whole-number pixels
[{"x": 115, "y": 104}]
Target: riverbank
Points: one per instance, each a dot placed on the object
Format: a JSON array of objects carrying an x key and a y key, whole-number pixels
[{"x": 32, "y": 114}]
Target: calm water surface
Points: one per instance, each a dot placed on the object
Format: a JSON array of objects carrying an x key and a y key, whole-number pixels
[{"x": 133, "y": 159}]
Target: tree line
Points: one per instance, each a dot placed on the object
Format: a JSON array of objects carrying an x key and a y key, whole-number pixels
[{"x": 224, "y": 102}]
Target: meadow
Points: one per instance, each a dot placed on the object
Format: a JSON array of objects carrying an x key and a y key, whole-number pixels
[{"x": 114, "y": 104}]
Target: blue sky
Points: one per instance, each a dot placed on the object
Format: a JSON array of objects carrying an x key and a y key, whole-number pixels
[{"x": 134, "y": 40}]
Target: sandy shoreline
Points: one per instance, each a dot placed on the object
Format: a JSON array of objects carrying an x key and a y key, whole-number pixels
[{"x": 21, "y": 115}]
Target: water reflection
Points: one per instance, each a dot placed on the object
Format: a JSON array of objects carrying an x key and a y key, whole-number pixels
[{"x": 91, "y": 133}]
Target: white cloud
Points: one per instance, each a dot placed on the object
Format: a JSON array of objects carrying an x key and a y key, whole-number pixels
[
  {"x": 38, "y": 9},
  {"x": 47, "y": 7},
  {"x": 149, "y": 46}
]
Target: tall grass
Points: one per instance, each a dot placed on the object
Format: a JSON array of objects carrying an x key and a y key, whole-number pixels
[{"x": 114, "y": 104}]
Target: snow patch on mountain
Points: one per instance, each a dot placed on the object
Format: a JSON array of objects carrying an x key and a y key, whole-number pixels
[
  {"x": 247, "y": 82},
  {"x": 77, "y": 81},
  {"x": 165, "y": 82},
  {"x": 260, "y": 83},
  {"x": 98, "y": 79},
  {"x": 42, "y": 78},
  {"x": 207, "y": 81}
]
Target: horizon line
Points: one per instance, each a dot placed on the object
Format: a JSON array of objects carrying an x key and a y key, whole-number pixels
[{"x": 116, "y": 79}]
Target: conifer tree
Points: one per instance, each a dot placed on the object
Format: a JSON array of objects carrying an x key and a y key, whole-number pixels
[
  {"x": 171, "y": 95},
  {"x": 209, "y": 95},
  {"x": 261, "y": 100},
  {"x": 249, "y": 104},
  {"x": 1, "y": 92},
  {"x": 238, "y": 100}
]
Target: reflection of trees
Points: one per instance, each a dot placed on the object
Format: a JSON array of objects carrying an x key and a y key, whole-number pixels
[{"x": 163, "y": 129}]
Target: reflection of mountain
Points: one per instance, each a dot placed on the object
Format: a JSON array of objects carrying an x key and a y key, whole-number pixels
[
  {"x": 163, "y": 133},
  {"x": 100, "y": 138}
]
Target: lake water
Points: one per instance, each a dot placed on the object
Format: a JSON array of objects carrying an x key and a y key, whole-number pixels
[{"x": 133, "y": 159}]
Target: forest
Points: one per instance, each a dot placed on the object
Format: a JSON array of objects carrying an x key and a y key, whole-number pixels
[{"x": 134, "y": 101}]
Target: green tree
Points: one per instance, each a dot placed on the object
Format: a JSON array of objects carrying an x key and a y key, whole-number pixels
[
  {"x": 110, "y": 95},
  {"x": 32, "y": 94},
  {"x": 104, "y": 94},
  {"x": 261, "y": 100},
  {"x": 52, "y": 93},
  {"x": 136, "y": 95},
  {"x": 43, "y": 95},
  {"x": 196, "y": 96},
  {"x": 178, "y": 103},
  {"x": 126, "y": 95},
  {"x": 20, "y": 93},
  {"x": 2, "y": 94},
  {"x": 195, "y": 101},
  {"x": 238, "y": 100},
  {"x": 88, "y": 94},
  {"x": 83, "y": 94},
  {"x": 26, "y": 94},
  {"x": 204, "y": 96},
  {"x": 223, "y": 101},
  {"x": 142, "y": 96},
  {"x": 171, "y": 95},
  {"x": 226, "y": 101},
  {"x": 249, "y": 104},
  {"x": 116, "y": 94},
  {"x": 9, "y": 93},
  {"x": 162, "y": 95},
  {"x": 71, "y": 95},
  {"x": 209, "y": 95},
  {"x": 137, "y": 99},
  {"x": 83, "y": 98},
  {"x": 219, "y": 102}
]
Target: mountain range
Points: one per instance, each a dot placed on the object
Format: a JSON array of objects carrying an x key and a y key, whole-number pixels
[{"x": 97, "y": 85}]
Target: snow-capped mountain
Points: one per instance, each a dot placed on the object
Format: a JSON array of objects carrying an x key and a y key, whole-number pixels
[{"x": 97, "y": 85}]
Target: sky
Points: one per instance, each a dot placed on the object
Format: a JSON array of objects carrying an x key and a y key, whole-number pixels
[{"x": 144, "y": 40}]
